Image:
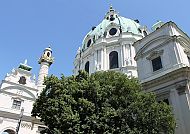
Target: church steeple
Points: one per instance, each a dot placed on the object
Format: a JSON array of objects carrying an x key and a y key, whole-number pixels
[
  {"x": 45, "y": 61},
  {"x": 46, "y": 56}
]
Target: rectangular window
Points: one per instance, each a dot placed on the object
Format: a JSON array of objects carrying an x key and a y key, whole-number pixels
[
  {"x": 166, "y": 100},
  {"x": 16, "y": 104},
  {"x": 156, "y": 64}
]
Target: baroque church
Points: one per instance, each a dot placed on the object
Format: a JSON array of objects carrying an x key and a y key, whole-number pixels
[
  {"x": 160, "y": 58},
  {"x": 18, "y": 92}
]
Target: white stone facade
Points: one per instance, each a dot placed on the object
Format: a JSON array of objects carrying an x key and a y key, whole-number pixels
[
  {"x": 111, "y": 35},
  {"x": 98, "y": 55},
  {"x": 19, "y": 90},
  {"x": 170, "y": 80},
  {"x": 160, "y": 59}
]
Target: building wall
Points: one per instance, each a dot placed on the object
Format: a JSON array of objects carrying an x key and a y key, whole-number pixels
[
  {"x": 25, "y": 127},
  {"x": 98, "y": 55},
  {"x": 172, "y": 80},
  {"x": 11, "y": 89},
  {"x": 173, "y": 55}
]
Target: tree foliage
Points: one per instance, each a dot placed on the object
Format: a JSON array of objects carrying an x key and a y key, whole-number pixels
[{"x": 102, "y": 103}]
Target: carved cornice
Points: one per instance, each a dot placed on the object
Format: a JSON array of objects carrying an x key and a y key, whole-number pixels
[
  {"x": 47, "y": 59},
  {"x": 178, "y": 76},
  {"x": 170, "y": 23},
  {"x": 32, "y": 98},
  {"x": 162, "y": 95},
  {"x": 155, "y": 54},
  {"x": 181, "y": 89},
  {"x": 141, "y": 52},
  {"x": 18, "y": 85},
  {"x": 14, "y": 116}
]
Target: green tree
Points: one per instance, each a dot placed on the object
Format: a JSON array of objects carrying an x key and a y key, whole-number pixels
[{"x": 102, "y": 103}]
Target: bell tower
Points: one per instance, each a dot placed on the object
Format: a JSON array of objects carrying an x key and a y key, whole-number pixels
[{"x": 45, "y": 61}]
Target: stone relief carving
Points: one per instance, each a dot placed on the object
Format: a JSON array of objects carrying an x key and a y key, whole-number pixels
[{"x": 26, "y": 125}]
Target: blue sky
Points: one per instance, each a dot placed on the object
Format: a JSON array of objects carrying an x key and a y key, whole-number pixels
[{"x": 28, "y": 26}]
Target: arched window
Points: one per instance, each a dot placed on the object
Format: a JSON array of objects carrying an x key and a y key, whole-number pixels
[
  {"x": 22, "y": 80},
  {"x": 113, "y": 59},
  {"x": 89, "y": 42},
  {"x": 157, "y": 28},
  {"x": 48, "y": 54},
  {"x": 145, "y": 33},
  {"x": 8, "y": 131},
  {"x": 139, "y": 30},
  {"x": 87, "y": 66}
]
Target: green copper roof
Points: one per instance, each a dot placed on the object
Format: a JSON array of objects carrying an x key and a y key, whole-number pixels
[
  {"x": 25, "y": 66},
  {"x": 125, "y": 24}
]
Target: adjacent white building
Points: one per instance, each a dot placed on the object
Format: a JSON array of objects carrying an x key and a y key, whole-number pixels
[
  {"x": 18, "y": 91},
  {"x": 160, "y": 59},
  {"x": 164, "y": 67}
]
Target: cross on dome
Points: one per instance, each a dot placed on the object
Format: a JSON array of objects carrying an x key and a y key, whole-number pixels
[{"x": 111, "y": 12}]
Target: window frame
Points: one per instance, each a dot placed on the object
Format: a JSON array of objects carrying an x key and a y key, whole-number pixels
[
  {"x": 87, "y": 63},
  {"x": 153, "y": 55},
  {"x": 88, "y": 43},
  {"x": 163, "y": 96},
  {"x": 15, "y": 105},
  {"x": 48, "y": 54},
  {"x": 112, "y": 67},
  {"x": 145, "y": 33},
  {"x": 154, "y": 69},
  {"x": 22, "y": 80},
  {"x": 109, "y": 27},
  {"x": 113, "y": 28}
]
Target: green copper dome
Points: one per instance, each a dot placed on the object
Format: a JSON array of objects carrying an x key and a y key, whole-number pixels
[
  {"x": 127, "y": 25},
  {"x": 112, "y": 20}
]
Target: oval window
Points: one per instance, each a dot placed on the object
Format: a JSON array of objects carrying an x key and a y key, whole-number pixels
[
  {"x": 48, "y": 54},
  {"x": 22, "y": 80},
  {"x": 112, "y": 18},
  {"x": 113, "y": 31},
  {"x": 89, "y": 42}
]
